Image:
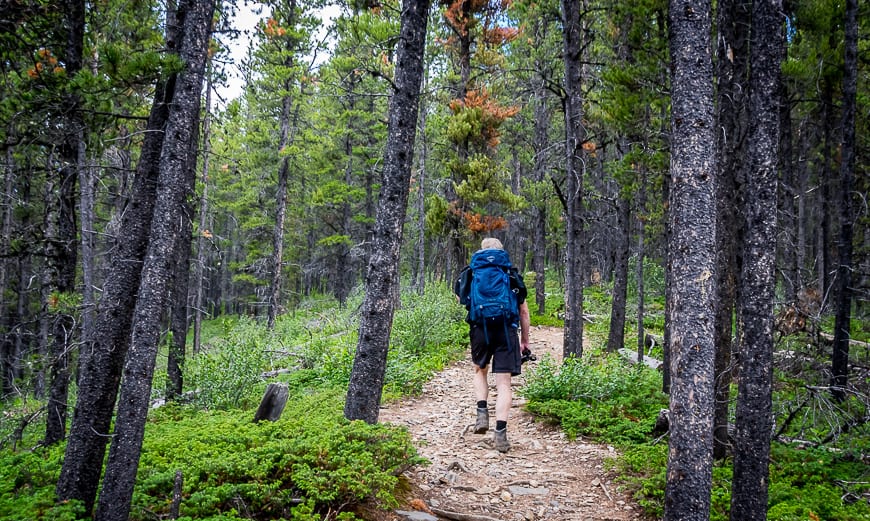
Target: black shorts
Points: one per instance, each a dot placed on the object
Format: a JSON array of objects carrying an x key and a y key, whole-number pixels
[{"x": 503, "y": 348}]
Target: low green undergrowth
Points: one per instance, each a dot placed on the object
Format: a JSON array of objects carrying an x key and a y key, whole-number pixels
[
  {"x": 602, "y": 397},
  {"x": 314, "y": 347},
  {"x": 310, "y": 465},
  {"x": 311, "y": 458}
]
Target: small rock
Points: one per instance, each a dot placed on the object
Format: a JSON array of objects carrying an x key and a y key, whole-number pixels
[
  {"x": 449, "y": 478},
  {"x": 596, "y": 482},
  {"x": 526, "y": 491},
  {"x": 505, "y": 496}
]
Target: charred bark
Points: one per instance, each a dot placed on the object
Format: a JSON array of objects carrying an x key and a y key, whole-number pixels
[
  {"x": 616, "y": 335},
  {"x": 575, "y": 135},
  {"x": 732, "y": 84},
  {"x": 369, "y": 365},
  {"x": 842, "y": 327},
  {"x": 174, "y": 184},
  {"x": 753, "y": 418},
  {"x": 61, "y": 248},
  {"x": 691, "y": 249},
  {"x": 102, "y": 357}
]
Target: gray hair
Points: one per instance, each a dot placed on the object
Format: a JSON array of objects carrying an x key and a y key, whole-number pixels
[{"x": 491, "y": 243}]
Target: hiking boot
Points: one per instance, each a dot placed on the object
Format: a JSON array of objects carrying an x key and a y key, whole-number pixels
[
  {"x": 501, "y": 442},
  {"x": 482, "y": 423}
]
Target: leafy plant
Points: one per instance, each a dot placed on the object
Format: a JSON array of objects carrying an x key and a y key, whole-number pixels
[
  {"x": 310, "y": 462},
  {"x": 604, "y": 397}
]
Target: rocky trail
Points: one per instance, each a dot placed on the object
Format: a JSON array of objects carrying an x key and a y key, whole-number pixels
[{"x": 544, "y": 476}]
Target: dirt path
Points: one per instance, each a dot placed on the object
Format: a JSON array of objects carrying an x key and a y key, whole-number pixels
[{"x": 543, "y": 476}]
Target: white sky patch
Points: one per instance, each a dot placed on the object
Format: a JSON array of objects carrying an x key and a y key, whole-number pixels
[{"x": 248, "y": 15}]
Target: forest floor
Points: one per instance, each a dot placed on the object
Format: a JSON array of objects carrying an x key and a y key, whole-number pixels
[{"x": 544, "y": 476}]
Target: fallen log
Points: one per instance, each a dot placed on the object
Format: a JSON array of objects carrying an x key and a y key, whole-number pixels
[
  {"x": 460, "y": 516},
  {"x": 647, "y": 360}
]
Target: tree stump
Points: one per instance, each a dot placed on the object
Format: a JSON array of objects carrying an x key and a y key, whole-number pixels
[{"x": 273, "y": 402}]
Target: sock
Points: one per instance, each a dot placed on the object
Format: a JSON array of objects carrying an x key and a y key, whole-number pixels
[
  {"x": 500, "y": 425},
  {"x": 481, "y": 404}
]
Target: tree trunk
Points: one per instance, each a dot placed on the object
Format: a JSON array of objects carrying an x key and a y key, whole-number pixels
[
  {"x": 202, "y": 230},
  {"x": 7, "y": 268},
  {"x": 421, "y": 193},
  {"x": 281, "y": 205},
  {"x": 732, "y": 72},
  {"x": 823, "y": 239},
  {"x": 179, "y": 319},
  {"x": 575, "y": 135},
  {"x": 102, "y": 359},
  {"x": 692, "y": 263},
  {"x": 641, "y": 252},
  {"x": 87, "y": 201},
  {"x": 369, "y": 365},
  {"x": 616, "y": 336},
  {"x": 541, "y": 143},
  {"x": 61, "y": 249},
  {"x": 788, "y": 244},
  {"x": 754, "y": 411},
  {"x": 842, "y": 327},
  {"x": 174, "y": 187}
]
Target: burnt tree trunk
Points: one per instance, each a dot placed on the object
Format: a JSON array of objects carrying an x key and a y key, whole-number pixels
[
  {"x": 539, "y": 226},
  {"x": 102, "y": 357},
  {"x": 369, "y": 364},
  {"x": 842, "y": 328},
  {"x": 179, "y": 318},
  {"x": 575, "y": 135},
  {"x": 641, "y": 234},
  {"x": 732, "y": 70},
  {"x": 616, "y": 335},
  {"x": 60, "y": 235},
  {"x": 174, "y": 184},
  {"x": 692, "y": 251},
  {"x": 754, "y": 409},
  {"x": 202, "y": 231}
]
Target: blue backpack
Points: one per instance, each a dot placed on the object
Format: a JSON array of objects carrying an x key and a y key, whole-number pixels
[{"x": 491, "y": 299}]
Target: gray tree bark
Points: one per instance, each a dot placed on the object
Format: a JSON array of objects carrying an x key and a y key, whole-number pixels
[
  {"x": 575, "y": 135},
  {"x": 753, "y": 418},
  {"x": 179, "y": 317},
  {"x": 60, "y": 234},
  {"x": 691, "y": 249},
  {"x": 539, "y": 227},
  {"x": 101, "y": 359},
  {"x": 199, "y": 268},
  {"x": 732, "y": 86},
  {"x": 369, "y": 365},
  {"x": 616, "y": 334},
  {"x": 173, "y": 189},
  {"x": 842, "y": 326}
]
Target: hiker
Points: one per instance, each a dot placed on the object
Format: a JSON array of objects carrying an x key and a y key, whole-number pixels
[{"x": 495, "y": 295}]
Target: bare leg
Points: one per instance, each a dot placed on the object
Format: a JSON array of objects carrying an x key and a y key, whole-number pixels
[
  {"x": 504, "y": 398},
  {"x": 481, "y": 387}
]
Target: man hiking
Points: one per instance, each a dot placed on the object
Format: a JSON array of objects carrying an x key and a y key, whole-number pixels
[{"x": 494, "y": 294}]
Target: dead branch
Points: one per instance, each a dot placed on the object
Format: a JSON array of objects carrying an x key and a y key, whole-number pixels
[{"x": 459, "y": 516}]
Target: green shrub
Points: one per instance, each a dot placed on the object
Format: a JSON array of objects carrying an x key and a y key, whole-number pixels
[
  {"x": 309, "y": 462},
  {"x": 27, "y": 481},
  {"x": 226, "y": 373},
  {"x": 603, "y": 398}
]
